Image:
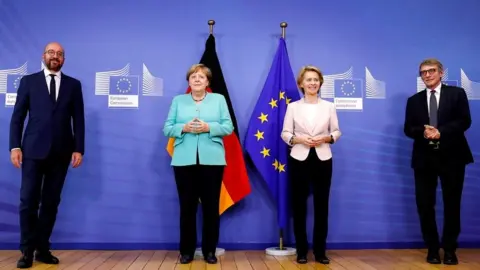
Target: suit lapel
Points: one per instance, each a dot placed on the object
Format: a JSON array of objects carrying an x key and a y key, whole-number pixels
[
  {"x": 305, "y": 125},
  {"x": 424, "y": 105},
  {"x": 42, "y": 82},
  {"x": 443, "y": 101}
]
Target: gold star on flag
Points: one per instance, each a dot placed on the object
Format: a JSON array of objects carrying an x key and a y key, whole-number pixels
[
  {"x": 259, "y": 135},
  {"x": 273, "y": 103},
  {"x": 263, "y": 117},
  {"x": 282, "y": 94},
  {"x": 281, "y": 167},
  {"x": 288, "y": 100},
  {"x": 265, "y": 152},
  {"x": 275, "y": 164}
]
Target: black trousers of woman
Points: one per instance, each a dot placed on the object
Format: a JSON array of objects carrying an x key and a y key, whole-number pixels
[
  {"x": 317, "y": 174},
  {"x": 194, "y": 183}
]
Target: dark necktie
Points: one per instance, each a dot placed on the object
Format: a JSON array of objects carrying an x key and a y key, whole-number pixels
[
  {"x": 433, "y": 109},
  {"x": 53, "y": 88}
]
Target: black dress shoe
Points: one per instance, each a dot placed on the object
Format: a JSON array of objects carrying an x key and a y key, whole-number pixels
[
  {"x": 302, "y": 259},
  {"x": 210, "y": 258},
  {"x": 185, "y": 259},
  {"x": 450, "y": 258},
  {"x": 46, "y": 257},
  {"x": 25, "y": 261},
  {"x": 322, "y": 258},
  {"x": 433, "y": 257}
]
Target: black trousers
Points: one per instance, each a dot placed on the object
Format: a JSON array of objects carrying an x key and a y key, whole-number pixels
[
  {"x": 193, "y": 183},
  {"x": 305, "y": 174},
  {"x": 451, "y": 179},
  {"x": 40, "y": 192}
]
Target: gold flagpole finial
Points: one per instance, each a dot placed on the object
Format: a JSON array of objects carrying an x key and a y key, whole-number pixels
[
  {"x": 283, "y": 25},
  {"x": 211, "y": 23}
]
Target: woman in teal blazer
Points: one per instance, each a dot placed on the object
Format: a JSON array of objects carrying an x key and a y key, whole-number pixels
[{"x": 198, "y": 121}]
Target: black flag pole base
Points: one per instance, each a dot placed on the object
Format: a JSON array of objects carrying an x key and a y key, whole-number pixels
[
  {"x": 218, "y": 252},
  {"x": 277, "y": 251}
]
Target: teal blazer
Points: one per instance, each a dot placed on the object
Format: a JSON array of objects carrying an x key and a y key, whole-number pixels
[{"x": 214, "y": 111}]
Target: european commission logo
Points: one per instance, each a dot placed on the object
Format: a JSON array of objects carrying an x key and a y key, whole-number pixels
[
  {"x": 348, "y": 92},
  {"x": 9, "y": 83},
  {"x": 472, "y": 88},
  {"x": 123, "y": 90}
]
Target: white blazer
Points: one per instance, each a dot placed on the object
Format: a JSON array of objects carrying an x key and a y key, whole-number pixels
[{"x": 304, "y": 119}]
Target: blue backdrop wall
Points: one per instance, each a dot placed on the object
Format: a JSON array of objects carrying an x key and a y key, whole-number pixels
[{"x": 124, "y": 195}]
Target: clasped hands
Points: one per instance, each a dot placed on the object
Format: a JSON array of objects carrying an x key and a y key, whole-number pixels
[
  {"x": 196, "y": 126},
  {"x": 431, "y": 133},
  {"x": 313, "y": 141}
]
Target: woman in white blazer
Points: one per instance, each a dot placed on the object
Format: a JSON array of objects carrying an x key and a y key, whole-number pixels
[{"x": 310, "y": 127}]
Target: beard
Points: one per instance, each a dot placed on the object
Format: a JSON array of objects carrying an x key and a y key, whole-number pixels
[{"x": 54, "y": 65}]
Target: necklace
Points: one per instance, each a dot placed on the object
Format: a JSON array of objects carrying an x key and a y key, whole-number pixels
[{"x": 198, "y": 100}]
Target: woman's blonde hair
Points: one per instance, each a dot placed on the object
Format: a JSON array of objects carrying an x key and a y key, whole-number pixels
[
  {"x": 199, "y": 67},
  {"x": 301, "y": 76}
]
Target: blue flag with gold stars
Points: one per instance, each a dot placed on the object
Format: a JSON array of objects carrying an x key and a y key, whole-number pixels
[{"x": 263, "y": 143}]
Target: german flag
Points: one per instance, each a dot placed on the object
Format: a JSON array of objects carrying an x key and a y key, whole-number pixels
[{"x": 235, "y": 184}]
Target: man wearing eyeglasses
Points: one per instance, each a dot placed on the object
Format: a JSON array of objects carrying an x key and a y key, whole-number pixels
[
  {"x": 436, "y": 119},
  {"x": 53, "y": 139}
]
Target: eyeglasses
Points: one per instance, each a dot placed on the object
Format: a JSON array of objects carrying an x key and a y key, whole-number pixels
[
  {"x": 53, "y": 53},
  {"x": 427, "y": 71}
]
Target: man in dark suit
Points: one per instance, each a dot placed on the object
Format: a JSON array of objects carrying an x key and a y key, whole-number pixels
[
  {"x": 54, "y": 104},
  {"x": 437, "y": 118}
]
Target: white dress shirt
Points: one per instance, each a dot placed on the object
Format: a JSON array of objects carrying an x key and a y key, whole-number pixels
[{"x": 48, "y": 78}]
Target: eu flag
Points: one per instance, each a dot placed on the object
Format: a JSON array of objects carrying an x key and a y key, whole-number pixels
[
  {"x": 13, "y": 82},
  {"x": 348, "y": 88},
  {"x": 263, "y": 144},
  {"x": 124, "y": 85}
]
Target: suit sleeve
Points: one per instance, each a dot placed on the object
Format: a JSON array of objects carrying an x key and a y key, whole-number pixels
[
  {"x": 462, "y": 121},
  {"x": 19, "y": 114},
  {"x": 287, "y": 130},
  {"x": 79, "y": 120},
  {"x": 171, "y": 128},
  {"x": 334, "y": 126},
  {"x": 225, "y": 126},
  {"x": 410, "y": 129}
]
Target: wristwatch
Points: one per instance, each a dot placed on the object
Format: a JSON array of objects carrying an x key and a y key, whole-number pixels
[
  {"x": 331, "y": 139},
  {"x": 291, "y": 140}
]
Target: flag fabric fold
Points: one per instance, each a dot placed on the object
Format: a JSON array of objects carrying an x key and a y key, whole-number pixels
[
  {"x": 263, "y": 143},
  {"x": 235, "y": 183}
]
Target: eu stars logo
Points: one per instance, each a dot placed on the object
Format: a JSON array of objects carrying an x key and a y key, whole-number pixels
[
  {"x": 9, "y": 83},
  {"x": 348, "y": 94},
  {"x": 124, "y": 85},
  {"x": 123, "y": 89}
]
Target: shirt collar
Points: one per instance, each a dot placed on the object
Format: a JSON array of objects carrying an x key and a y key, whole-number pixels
[
  {"x": 437, "y": 89},
  {"x": 48, "y": 72}
]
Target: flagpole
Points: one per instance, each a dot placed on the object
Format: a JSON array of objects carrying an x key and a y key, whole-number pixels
[
  {"x": 283, "y": 25},
  {"x": 218, "y": 251},
  {"x": 281, "y": 250},
  {"x": 211, "y": 23}
]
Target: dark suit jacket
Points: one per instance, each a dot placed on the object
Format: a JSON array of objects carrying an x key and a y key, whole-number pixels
[
  {"x": 453, "y": 120},
  {"x": 52, "y": 128}
]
